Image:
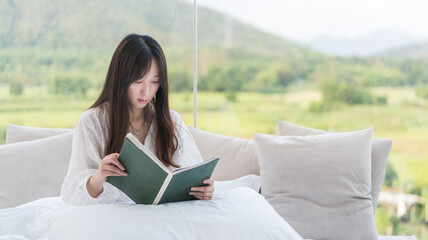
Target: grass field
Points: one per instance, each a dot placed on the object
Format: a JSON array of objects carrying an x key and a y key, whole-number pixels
[{"x": 404, "y": 119}]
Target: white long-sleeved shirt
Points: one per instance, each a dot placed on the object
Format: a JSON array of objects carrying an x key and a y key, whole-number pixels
[{"x": 90, "y": 136}]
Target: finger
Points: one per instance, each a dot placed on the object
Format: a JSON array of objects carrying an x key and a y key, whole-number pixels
[
  {"x": 115, "y": 155},
  {"x": 114, "y": 161},
  {"x": 108, "y": 173},
  {"x": 201, "y": 196},
  {"x": 118, "y": 164},
  {"x": 209, "y": 181},
  {"x": 202, "y": 189},
  {"x": 114, "y": 169},
  {"x": 204, "y": 198},
  {"x": 112, "y": 156}
]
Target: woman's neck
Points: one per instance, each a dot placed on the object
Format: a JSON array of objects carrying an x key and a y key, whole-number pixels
[
  {"x": 140, "y": 115},
  {"x": 139, "y": 124},
  {"x": 136, "y": 115}
]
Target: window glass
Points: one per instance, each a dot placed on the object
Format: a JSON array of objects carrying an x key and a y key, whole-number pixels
[
  {"x": 54, "y": 55},
  {"x": 331, "y": 65}
]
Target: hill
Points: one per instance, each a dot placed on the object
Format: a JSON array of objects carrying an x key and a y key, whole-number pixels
[
  {"x": 101, "y": 24},
  {"x": 64, "y": 44},
  {"x": 362, "y": 46},
  {"x": 413, "y": 51},
  {"x": 72, "y": 36}
]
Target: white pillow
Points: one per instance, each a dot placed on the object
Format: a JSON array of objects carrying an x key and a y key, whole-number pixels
[
  {"x": 320, "y": 184},
  {"x": 238, "y": 156},
  {"x": 379, "y": 154},
  {"x": 251, "y": 181},
  {"x": 17, "y": 133},
  {"x": 413, "y": 237},
  {"x": 240, "y": 213},
  {"x": 33, "y": 169}
]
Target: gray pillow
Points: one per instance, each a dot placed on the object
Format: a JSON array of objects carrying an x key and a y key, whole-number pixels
[
  {"x": 320, "y": 184},
  {"x": 238, "y": 156},
  {"x": 33, "y": 169},
  {"x": 379, "y": 154}
]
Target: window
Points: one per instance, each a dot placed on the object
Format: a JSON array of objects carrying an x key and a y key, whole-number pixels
[
  {"x": 54, "y": 55},
  {"x": 331, "y": 65}
]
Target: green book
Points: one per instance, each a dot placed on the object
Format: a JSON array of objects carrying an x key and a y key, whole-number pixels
[{"x": 150, "y": 182}]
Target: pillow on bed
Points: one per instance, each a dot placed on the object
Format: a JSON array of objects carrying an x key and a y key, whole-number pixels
[
  {"x": 238, "y": 156},
  {"x": 251, "y": 181},
  {"x": 240, "y": 213},
  {"x": 33, "y": 169},
  {"x": 17, "y": 133},
  {"x": 379, "y": 154},
  {"x": 320, "y": 184}
]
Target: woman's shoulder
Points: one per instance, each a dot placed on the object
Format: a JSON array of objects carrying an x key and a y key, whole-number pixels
[
  {"x": 95, "y": 114},
  {"x": 176, "y": 117}
]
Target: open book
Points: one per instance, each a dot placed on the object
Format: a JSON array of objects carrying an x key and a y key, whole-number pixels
[{"x": 150, "y": 182}]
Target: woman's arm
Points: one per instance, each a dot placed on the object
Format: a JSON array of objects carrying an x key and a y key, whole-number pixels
[
  {"x": 109, "y": 166},
  {"x": 82, "y": 186}
]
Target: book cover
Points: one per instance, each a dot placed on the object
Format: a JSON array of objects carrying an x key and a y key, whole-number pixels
[{"x": 150, "y": 182}]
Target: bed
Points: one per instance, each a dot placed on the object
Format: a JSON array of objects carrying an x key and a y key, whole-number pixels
[{"x": 251, "y": 201}]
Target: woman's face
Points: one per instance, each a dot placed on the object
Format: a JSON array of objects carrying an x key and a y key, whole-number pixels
[{"x": 142, "y": 91}]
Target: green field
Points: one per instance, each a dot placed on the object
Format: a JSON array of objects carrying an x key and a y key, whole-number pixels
[{"x": 404, "y": 120}]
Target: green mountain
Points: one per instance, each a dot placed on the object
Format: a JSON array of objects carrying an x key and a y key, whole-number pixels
[
  {"x": 100, "y": 24},
  {"x": 67, "y": 46},
  {"x": 78, "y": 33}
]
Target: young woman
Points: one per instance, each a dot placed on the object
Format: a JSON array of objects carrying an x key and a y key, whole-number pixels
[{"x": 134, "y": 99}]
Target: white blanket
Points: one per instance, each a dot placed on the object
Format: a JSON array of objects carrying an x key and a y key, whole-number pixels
[{"x": 238, "y": 213}]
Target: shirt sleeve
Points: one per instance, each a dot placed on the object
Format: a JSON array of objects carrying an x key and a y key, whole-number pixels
[
  {"x": 187, "y": 153},
  {"x": 86, "y": 155}
]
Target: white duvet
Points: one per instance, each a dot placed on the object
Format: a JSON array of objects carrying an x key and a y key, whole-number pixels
[{"x": 233, "y": 213}]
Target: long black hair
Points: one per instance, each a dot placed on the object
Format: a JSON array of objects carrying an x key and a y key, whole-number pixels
[{"x": 131, "y": 60}]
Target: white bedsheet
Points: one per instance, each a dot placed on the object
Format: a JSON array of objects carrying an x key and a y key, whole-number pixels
[
  {"x": 15, "y": 222},
  {"x": 237, "y": 213}
]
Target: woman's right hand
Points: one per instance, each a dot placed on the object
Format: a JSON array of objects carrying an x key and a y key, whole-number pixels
[{"x": 109, "y": 166}]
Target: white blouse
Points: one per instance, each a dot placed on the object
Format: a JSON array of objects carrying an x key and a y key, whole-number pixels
[{"x": 89, "y": 140}]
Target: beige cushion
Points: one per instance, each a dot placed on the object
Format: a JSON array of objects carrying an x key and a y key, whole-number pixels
[
  {"x": 33, "y": 169},
  {"x": 320, "y": 184},
  {"x": 238, "y": 156},
  {"x": 17, "y": 133},
  {"x": 379, "y": 154}
]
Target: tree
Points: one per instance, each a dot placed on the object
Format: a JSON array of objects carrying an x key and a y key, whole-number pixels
[
  {"x": 180, "y": 81},
  {"x": 390, "y": 175},
  {"x": 334, "y": 90},
  {"x": 70, "y": 85},
  {"x": 16, "y": 88}
]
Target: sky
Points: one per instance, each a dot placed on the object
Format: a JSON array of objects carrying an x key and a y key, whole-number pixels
[{"x": 303, "y": 20}]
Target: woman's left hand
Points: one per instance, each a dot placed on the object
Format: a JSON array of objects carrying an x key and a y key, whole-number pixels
[{"x": 204, "y": 192}]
